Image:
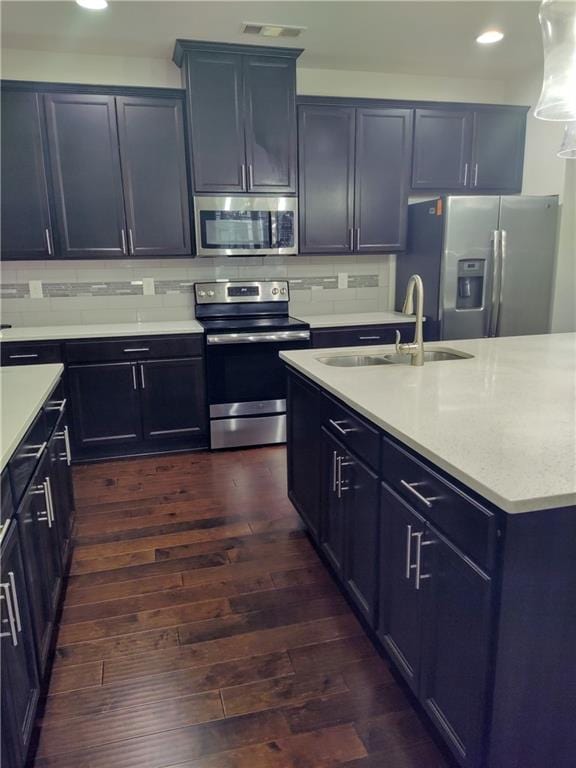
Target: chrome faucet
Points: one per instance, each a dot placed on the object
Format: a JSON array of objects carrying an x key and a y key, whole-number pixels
[{"x": 416, "y": 348}]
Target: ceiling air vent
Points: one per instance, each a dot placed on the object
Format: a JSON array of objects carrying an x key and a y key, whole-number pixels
[{"x": 270, "y": 30}]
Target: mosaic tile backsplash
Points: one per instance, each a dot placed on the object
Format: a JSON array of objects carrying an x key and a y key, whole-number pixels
[{"x": 62, "y": 293}]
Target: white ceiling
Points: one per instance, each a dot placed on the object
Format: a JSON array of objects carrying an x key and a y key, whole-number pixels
[{"x": 432, "y": 38}]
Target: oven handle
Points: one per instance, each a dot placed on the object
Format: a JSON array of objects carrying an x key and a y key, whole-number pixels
[{"x": 257, "y": 338}]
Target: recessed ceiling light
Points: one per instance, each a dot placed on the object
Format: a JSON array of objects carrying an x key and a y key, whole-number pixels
[
  {"x": 271, "y": 30},
  {"x": 490, "y": 36},
  {"x": 93, "y": 5}
]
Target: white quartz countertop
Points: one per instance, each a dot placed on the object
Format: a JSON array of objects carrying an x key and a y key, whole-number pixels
[
  {"x": 99, "y": 330},
  {"x": 356, "y": 318},
  {"x": 23, "y": 391},
  {"x": 502, "y": 422}
]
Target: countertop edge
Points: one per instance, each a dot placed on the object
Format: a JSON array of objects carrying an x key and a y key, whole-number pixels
[
  {"x": 510, "y": 506},
  {"x": 7, "y": 451}
]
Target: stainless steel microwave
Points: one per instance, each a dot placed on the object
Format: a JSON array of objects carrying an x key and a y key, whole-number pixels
[{"x": 246, "y": 226}]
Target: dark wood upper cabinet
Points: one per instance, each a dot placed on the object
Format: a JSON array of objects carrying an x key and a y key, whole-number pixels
[
  {"x": 25, "y": 211},
  {"x": 85, "y": 163},
  {"x": 498, "y": 150},
  {"x": 242, "y": 108},
  {"x": 326, "y": 178},
  {"x": 153, "y": 155},
  {"x": 383, "y": 150},
  {"x": 442, "y": 145},
  {"x": 215, "y": 94},
  {"x": 478, "y": 150},
  {"x": 270, "y": 121},
  {"x": 173, "y": 398}
]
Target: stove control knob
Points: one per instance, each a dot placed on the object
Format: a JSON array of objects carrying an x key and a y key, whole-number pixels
[
  {"x": 201, "y": 293},
  {"x": 275, "y": 291},
  {"x": 283, "y": 291},
  {"x": 210, "y": 293}
]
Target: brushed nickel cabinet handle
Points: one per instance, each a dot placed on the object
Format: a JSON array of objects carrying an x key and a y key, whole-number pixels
[
  {"x": 250, "y": 176},
  {"x": 142, "y": 379},
  {"x": 476, "y": 175},
  {"x": 48, "y": 242},
  {"x": 243, "y": 174},
  {"x": 341, "y": 429},
  {"x": 412, "y": 488},
  {"x": 22, "y": 357},
  {"x": 136, "y": 349},
  {"x": 11, "y": 619},
  {"x": 124, "y": 249},
  {"x": 131, "y": 242},
  {"x": 465, "y": 174},
  {"x": 334, "y": 463},
  {"x": 134, "y": 382},
  {"x": 16, "y": 603}
]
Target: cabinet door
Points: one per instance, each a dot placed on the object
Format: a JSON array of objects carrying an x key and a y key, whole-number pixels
[
  {"x": 26, "y": 226},
  {"x": 105, "y": 404},
  {"x": 455, "y": 650},
  {"x": 326, "y": 179},
  {"x": 303, "y": 442},
  {"x": 85, "y": 163},
  {"x": 41, "y": 560},
  {"x": 332, "y": 529},
  {"x": 270, "y": 123},
  {"x": 173, "y": 398},
  {"x": 152, "y": 150},
  {"x": 19, "y": 685},
  {"x": 442, "y": 146},
  {"x": 400, "y": 603},
  {"x": 383, "y": 147},
  {"x": 214, "y": 85},
  {"x": 498, "y": 150},
  {"x": 359, "y": 489}
]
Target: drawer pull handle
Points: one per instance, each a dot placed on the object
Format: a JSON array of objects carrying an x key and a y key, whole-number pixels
[
  {"x": 334, "y": 470},
  {"x": 409, "y": 535},
  {"x": 15, "y": 598},
  {"x": 39, "y": 452},
  {"x": 22, "y": 357},
  {"x": 419, "y": 575},
  {"x": 57, "y": 405},
  {"x": 11, "y": 618},
  {"x": 412, "y": 488},
  {"x": 342, "y": 430},
  {"x": 368, "y": 338},
  {"x": 136, "y": 349}
]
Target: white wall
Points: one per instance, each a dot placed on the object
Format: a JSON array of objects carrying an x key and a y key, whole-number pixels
[{"x": 547, "y": 174}]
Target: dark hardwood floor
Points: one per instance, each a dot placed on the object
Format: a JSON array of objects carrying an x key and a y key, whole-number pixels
[{"x": 201, "y": 630}]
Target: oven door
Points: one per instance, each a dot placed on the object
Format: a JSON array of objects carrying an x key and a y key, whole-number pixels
[
  {"x": 245, "y": 373},
  {"x": 245, "y": 226}
]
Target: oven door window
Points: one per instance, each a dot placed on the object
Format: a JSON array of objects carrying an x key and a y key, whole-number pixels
[
  {"x": 235, "y": 229},
  {"x": 240, "y": 373}
]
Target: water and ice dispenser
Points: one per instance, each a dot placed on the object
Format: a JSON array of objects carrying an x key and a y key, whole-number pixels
[{"x": 470, "y": 293}]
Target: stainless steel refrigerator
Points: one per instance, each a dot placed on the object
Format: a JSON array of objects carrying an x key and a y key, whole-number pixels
[{"x": 487, "y": 263}]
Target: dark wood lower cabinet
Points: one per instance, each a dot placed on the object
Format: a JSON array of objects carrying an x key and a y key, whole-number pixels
[
  {"x": 105, "y": 404},
  {"x": 173, "y": 398},
  {"x": 19, "y": 672}
]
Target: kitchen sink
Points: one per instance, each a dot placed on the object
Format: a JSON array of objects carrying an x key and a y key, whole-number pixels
[
  {"x": 393, "y": 358},
  {"x": 430, "y": 356},
  {"x": 354, "y": 361}
]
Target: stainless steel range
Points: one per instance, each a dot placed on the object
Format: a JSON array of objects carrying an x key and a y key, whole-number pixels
[{"x": 246, "y": 326}]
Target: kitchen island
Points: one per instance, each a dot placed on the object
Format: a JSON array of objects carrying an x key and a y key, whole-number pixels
[{"x": 444, "y": 500}]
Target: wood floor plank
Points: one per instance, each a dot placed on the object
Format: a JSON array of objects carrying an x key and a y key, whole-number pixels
[
  {"x": 125, "y": 645},
  {"x": 171, "y": 685},
  {"x": 268, "y": 694},
  {"x": 135, "y": 588},
  {"x": 325, "y": 748},
  {"x": 76, "y": 678},
  {"x": 167, "y": 598},
  {"x": 332, "y": 654}
]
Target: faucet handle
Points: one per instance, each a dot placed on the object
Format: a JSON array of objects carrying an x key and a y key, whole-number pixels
[{"x": 398, "y": 337}]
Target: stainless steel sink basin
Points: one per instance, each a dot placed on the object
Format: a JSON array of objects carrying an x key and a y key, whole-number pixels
[
  {"x": 393, "y": 358},
  {"x": 354, "y": 361},
  {"x": 430, "y": 356}
]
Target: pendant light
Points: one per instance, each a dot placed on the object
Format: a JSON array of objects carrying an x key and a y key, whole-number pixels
[
  {"x": 568, "y": 147},
  {"x": 558, "y": 97}
]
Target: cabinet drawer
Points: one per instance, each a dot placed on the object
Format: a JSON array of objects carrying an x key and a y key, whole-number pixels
[
  {"x": 134, "y": 348},
  {"x": 465, "y": 523},
  {"x": 353, "y": 431},
  {"x": 26, "y": 457},
  {"x": 361, "y": 337},
  {"x": 30, "y": 354}
]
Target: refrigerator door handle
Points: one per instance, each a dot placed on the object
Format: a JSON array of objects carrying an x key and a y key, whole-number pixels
[
  {"x": 503, "y": 240},
  {"x": 494, "y": 308}
]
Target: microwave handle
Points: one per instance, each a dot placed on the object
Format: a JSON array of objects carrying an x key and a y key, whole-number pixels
[{"x": 273, "y": 229}]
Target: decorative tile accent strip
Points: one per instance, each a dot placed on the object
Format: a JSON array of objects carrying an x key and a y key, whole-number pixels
[
  {"x": 15, "y": 290},
  {"x": 306, "y": 283},
  {"x": 363, "y": 281},
  {"x": 163, "y": 287},
  {"x": 128, "y": 288}
]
